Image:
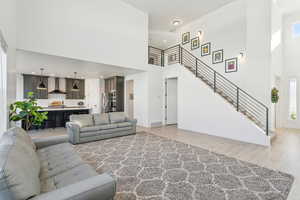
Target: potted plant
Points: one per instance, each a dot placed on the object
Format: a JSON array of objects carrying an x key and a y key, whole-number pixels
[
  {"x": 275, "y": 99},
  {"x": 27, "y": 111}
]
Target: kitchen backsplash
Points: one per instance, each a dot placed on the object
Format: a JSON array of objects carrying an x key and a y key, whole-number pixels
[{"x": 67, "y": 102}]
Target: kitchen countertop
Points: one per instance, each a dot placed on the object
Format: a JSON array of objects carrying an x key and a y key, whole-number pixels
[{"x": 64, "y": 108}]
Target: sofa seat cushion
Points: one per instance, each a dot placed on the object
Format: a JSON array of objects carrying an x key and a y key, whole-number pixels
[
  {"x": 90, "y": 129},
  {"x": 84, "y": 120},
  {"x": 124, "y": 124},
  {"x": 104, "y": 132},
  {"x": 57, "y": 160},
  {"x": 101, "y": 119},
  {"x": 58, "y": 165},
  {"x": 108, "y": 126},
  {"x": 98, "y": 128},
  {"x": 66, "y": 178},
  {"x": 56, "y": 149},
  {"x": 117, "y": 117}
]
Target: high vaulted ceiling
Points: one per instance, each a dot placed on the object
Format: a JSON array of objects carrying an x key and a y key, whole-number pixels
[
  {"x": 289, "y": 6},
  {"x": 163, "y": 12}
]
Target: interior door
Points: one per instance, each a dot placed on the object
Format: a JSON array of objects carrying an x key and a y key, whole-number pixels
[
  {"x": 171, "y": 101},
  {"x": 130, "y": 98}
]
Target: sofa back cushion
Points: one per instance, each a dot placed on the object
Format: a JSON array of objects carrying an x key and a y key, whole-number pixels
[
  {"x": 19, "y": 171},
  {"x": 22, "y": 135},
  {"x": 101, "y": 119},
  {"x": 117, "y": 117},
  {"x": 84, "y": 119},
  {"x": 24, "y": 143}
]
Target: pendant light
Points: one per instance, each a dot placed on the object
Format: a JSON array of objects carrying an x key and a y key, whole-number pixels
[
  {"x": 75, "y": 87},
  {"x": 41, "y": 85}
]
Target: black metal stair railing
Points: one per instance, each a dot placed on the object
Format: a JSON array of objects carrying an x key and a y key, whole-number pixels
[
  {"x": 241, "y": 100},
  {"x": 155, "y": 56}
]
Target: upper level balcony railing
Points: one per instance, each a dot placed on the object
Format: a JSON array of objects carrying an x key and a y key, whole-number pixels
[{"x": 155, "y": 56}]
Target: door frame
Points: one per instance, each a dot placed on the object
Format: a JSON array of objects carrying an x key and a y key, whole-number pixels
[{"x": 166, "y": 101}]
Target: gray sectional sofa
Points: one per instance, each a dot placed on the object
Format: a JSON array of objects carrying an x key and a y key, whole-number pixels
[
  {"x": 87, "y": 128},
  {"x": 47, "y": 169}
]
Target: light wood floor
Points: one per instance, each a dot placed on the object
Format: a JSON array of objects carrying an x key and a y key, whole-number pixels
[{"x": 283, "y": 155}]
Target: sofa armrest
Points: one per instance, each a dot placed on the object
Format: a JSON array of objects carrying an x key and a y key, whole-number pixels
[
  {"x": 133, "y": 121},
  {"x": 99, "y": 187},
  {"x": 73, "y": 129},
  {"x": 49, "y": 141}
]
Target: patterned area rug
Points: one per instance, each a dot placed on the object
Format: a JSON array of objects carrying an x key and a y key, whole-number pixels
[{"x": 149, "y": 167}]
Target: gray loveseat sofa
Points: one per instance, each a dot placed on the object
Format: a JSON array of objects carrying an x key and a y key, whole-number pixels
[
  {"x": 87, "y": 128},
  {"x": 47, "y": 169}
]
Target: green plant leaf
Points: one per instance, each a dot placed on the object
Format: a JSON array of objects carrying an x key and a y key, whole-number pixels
[{"x": 28, "y": 111}]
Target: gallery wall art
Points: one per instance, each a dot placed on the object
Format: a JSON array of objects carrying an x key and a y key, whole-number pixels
[
  {"x": 218, "y": 56},
  {"x": 186, "y": 38},
  {"x": 206, "y": 49},
  {"x": 231, "y": 65},
  {"x": 195, "y": 43}
]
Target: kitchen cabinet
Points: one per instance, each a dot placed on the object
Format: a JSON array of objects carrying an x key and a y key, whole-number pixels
[
  {"x": 58, "y": 118},
  {"x": 114, "y": 88},
  {"x": 31, "y": 83},
  {"x": 70, "y": 94}
]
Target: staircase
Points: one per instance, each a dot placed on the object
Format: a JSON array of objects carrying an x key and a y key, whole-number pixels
[{"x": 243, "y": 102}]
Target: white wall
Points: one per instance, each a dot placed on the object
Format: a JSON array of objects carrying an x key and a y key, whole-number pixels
[
  {"x": 241, "y": 26},
  {"x": 226, "y": 29},
  {"x": 258, "y": 60},
  {"x": 291, "y": 68},
  {"x": 201, "y": 110},
  {"x": 8, "y": 27},
  {"x": 109, "y": 32},
  {"x": 276, "y": 60},
  {"x": 140, "y": 98},
  {"x": 155, "y": 89},
  {"x": 148, "y": 100}
]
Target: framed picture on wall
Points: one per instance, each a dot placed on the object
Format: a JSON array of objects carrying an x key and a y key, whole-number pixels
[
  {"x": 195, "y": 43},
  {"x": 231, "y": 65},
  {"x": 218, "y": 56},
  {"x": 205, "y": 49},
  {"x": 185, "y": 38}
]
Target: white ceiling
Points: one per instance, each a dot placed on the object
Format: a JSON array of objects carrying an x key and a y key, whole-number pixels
[
  {"x": 289, "y": 6},
  {"x": 163, "y": 12},
  {"x": 162, "y": 39},
  {"x": 30, "y": 63}
]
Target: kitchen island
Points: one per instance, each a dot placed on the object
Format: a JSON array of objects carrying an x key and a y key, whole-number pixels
[{"x": 59, "y": 116}]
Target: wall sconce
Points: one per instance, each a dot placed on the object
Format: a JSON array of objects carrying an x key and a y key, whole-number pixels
[
  {"x": 242, "y": 56},
  {"x": 200, "y": 35}
]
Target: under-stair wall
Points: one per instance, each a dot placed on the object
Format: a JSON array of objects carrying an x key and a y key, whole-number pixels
[{"x": 203, "y": 111}]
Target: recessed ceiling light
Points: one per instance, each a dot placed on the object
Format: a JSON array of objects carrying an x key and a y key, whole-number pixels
[
  {"x": 176, "y": 22},
  {"x": 165, "y": 41}
]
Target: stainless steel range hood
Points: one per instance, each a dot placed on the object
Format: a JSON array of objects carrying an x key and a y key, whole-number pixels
[{"x": 57, "y": 90}]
